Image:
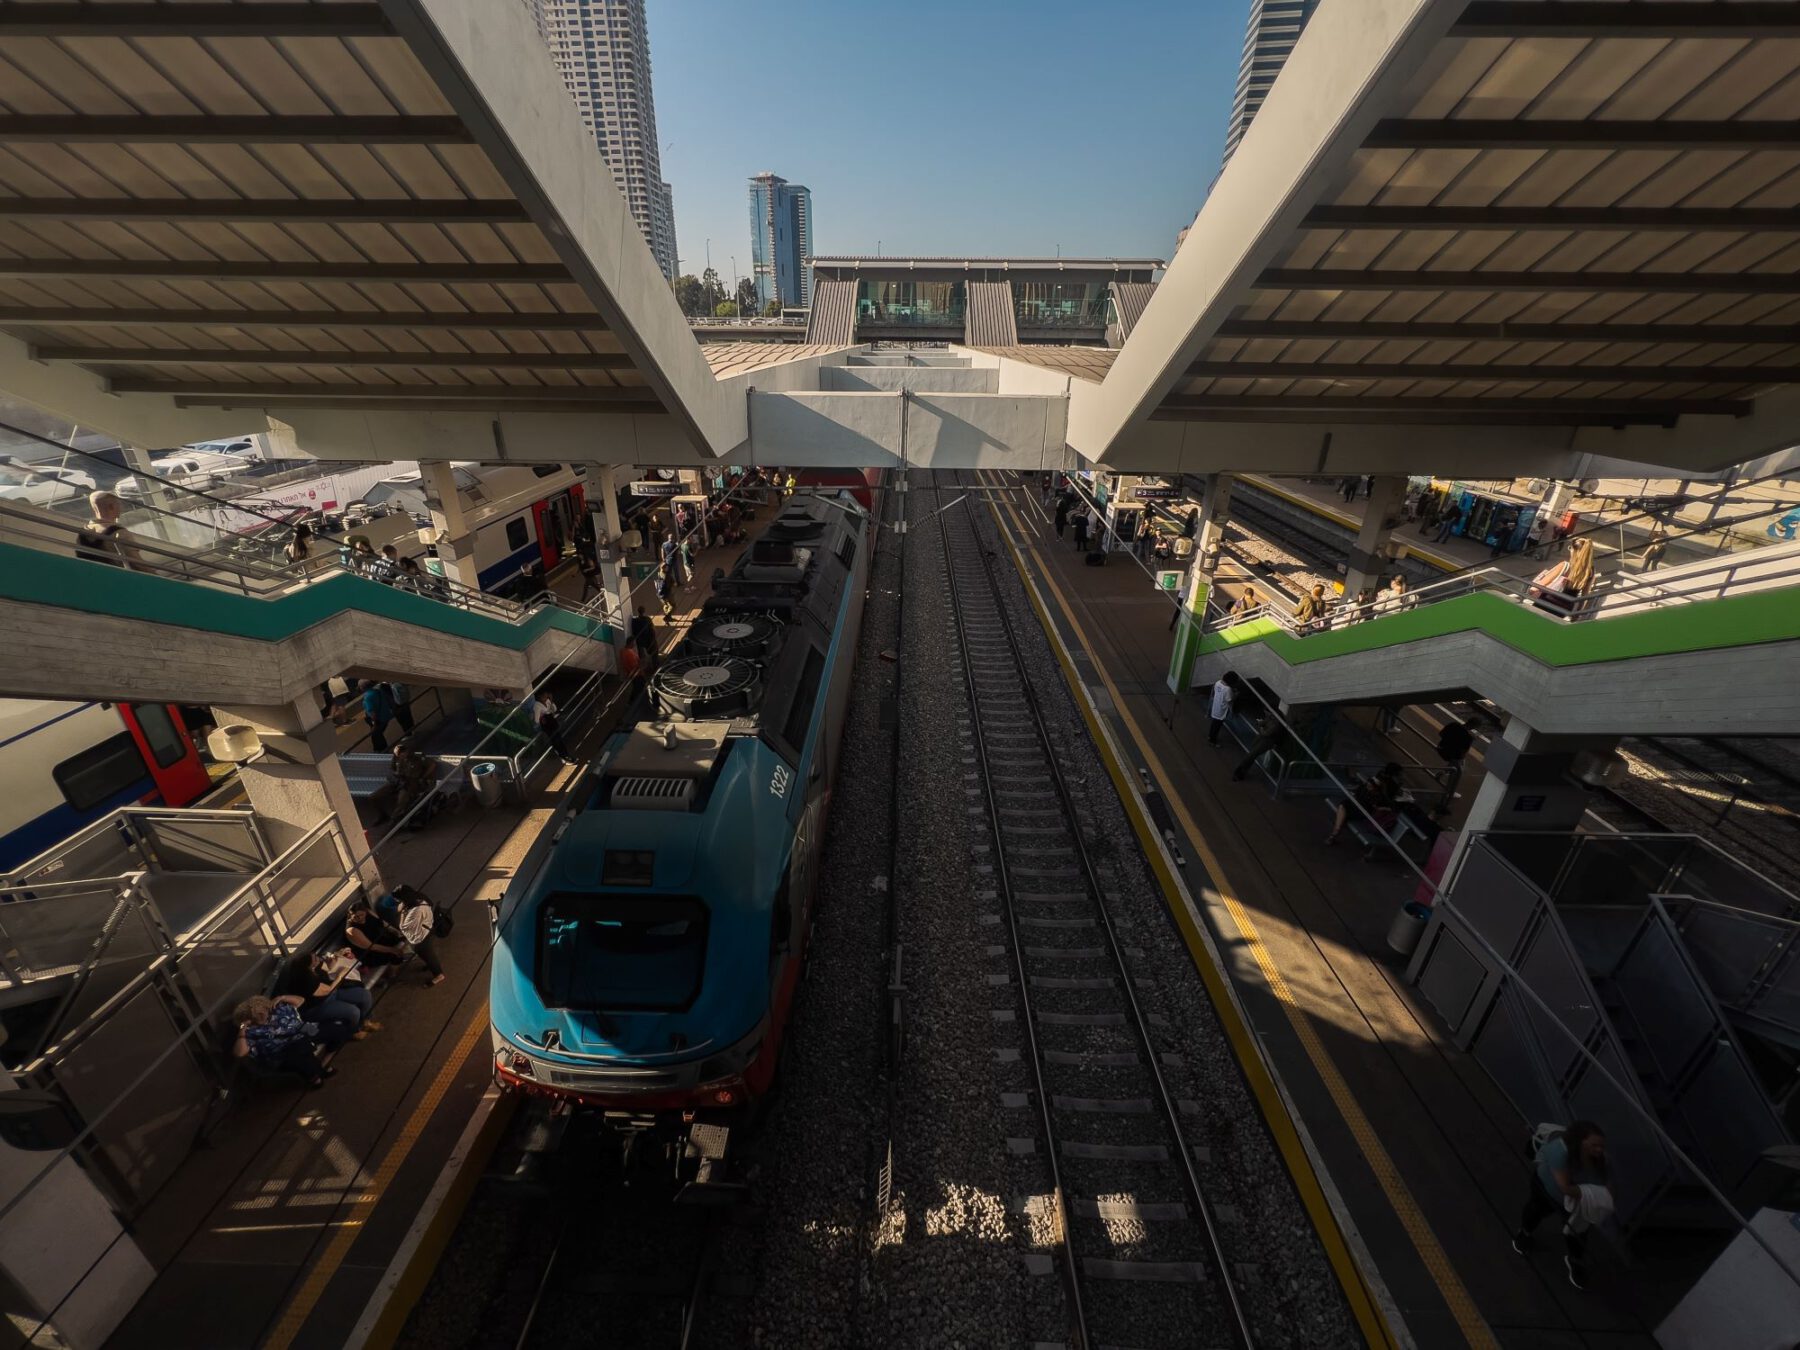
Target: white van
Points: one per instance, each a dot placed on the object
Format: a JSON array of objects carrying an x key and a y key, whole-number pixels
[{"x": 197, "y": 469}]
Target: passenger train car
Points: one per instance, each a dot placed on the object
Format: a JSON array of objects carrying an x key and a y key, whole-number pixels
[
  {"x": 649, "y": 946},
  {"x": 64, "y": 765},
  {"x": 521, "y": 514}
]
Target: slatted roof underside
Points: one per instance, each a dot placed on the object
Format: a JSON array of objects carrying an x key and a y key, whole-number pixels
[
  {"x": 991, "y": 320},
  {"x": 738, "y": 358},
  {"x": 1083, "y": 363},
  {"x": 1551, "y": 225},
  {"x": 236, "y": 210}
]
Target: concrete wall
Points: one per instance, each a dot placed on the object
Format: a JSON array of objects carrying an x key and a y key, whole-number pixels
[
  {"x": 1683, "y": 694},
  {"x": 73, "y": 654},
  {"x": 943, "y": 430},
  {"x": 919, "y": 379}
]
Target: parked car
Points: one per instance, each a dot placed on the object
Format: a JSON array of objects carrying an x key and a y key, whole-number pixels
[{"x": 42, "y": 484}]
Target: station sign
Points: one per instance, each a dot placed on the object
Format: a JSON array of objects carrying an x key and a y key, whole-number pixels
[
  {"x": 647, "y": 488},
  {"x": 1155, "y": 492},
  {"x": 1168, "y": 581}
]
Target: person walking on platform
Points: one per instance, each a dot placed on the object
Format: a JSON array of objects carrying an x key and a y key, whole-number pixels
[
  {"x": 1347, "y": 489},
  {"x": 1064, "y": 504},
  {"x": 665, "y": 587},
  {"x": 1181, "y": 597},
  {"x": 631, "y": 668},
  {"x": 418, "y": 924},
  {"x": 378, "y": 711},
  {"x": 1190, "y": 525},
  {"x": 1568, "y": 1177},
  {"x": 1224, "y": 691},
  {"x": 1447, "y": 523},
  {"x": 548, "y": 717},
  {"x": 1453, "y": 744},
  {"x": 1080, "y": 522},
  {"x": 643, "y": 636}
]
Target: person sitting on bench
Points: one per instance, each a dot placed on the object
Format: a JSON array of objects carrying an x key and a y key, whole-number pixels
[
  {"x": 337, "y": 1003},
  {"x": 377, "y": 942},
  {"x": 1379, "y": 796},
  {"x": 271, "y": 1033}
]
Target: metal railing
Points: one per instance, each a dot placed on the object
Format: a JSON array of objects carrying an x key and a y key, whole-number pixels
[
  {"x": 1614, "y": 596},
  {"x": 218, "y": 565}
]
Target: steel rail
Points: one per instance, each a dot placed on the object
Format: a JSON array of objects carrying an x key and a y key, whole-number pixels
[{"x": 1136, "y": 1018}]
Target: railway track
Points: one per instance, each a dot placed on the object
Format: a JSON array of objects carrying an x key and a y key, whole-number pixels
[
  {"x": 626, "y": 1268},
  {"x": 1136, "y": 1243}
]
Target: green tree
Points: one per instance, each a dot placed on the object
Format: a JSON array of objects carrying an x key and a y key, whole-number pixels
[
  {"x": 772, "y": 310},
  {"x": 725, "y": 309},
  {"x": 690, "y": 295},
  {"x": 746, "y": 296},
  {"x": 715, "y": 291}
]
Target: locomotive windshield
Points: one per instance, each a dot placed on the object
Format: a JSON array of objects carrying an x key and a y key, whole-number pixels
[{"x": 612, "y": 953}]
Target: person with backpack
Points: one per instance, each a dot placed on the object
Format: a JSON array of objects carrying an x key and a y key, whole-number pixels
[
  {"x": 378, "y": 711},
  {"x": 420, "y": 923},
  {"x": 1568, "y": 1178},
  {"x": 103, "y": 539}
]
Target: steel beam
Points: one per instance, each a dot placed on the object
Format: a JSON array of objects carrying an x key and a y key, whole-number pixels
[
  {"x": 1386, "y": 370},
  {"x": 1423, "y": 418},
  {"x": 1630, "y": 18},
  {"x": 445, "y": 393},
  {"x": 1741, "y": 219},
  {"x": 1493, "y": 133},
  {"x": 14, "y": 316},
  {"x": 1642, "y": 283},
  {"x": 393, "y": 211},
  {"x": 14, "y": 269},
  {"x": 240, "y": 356},
  {"x": 1337, "y": 330},
  {"x": 197, "y": 20},
  {"x": 1482, "y": 409},
  {"x": 420, "y": 404},
  {"x": 77, "y": 129}
]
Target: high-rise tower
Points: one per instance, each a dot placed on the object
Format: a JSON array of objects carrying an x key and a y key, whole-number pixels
[
  {"x": 780, "y": 240},
  {"x": 602, "y": 49},
  {"x": 1274, "y": 29}
]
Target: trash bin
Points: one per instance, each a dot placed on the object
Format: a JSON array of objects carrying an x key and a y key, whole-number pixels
[
  {"x": 485, "y": 779},
  {"x": 1408, "y": 927}
]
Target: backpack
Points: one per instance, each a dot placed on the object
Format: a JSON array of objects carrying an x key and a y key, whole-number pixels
[
  {"x": 96, "y": 545},
  {"x": 1542, "y": 1135},
  {"x": 442, "y": 922}
]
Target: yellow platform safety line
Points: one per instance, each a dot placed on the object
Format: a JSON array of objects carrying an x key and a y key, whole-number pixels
[
  {"x": 333, "y": 1256},
  {"x": 1351, "y": 523},
  {"x": 1362, "y": 1302}
]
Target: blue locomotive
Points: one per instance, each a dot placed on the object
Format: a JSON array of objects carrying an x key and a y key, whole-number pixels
[{"x": 649, "y": 946}]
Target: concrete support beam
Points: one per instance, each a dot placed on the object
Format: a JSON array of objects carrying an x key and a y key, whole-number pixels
[
  {"x": 1215, "y": 510},
  {"x": 1367, "y": 558},
  {"x": 615, "y": 574},
  {"x": 1527, "y": 785},
  {"x": 455, "y": 538},
  {"x": 298, "y": 781}
]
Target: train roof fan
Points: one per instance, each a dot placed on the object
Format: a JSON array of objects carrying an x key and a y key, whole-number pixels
[
  {"x": 749, "y": 635},
  {"x": 709, "y": 687}
]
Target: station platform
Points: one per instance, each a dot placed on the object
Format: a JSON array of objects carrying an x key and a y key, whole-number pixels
[
  {"x": 311, "y": 1219},
  {"x": 1423, "y": 1157}
]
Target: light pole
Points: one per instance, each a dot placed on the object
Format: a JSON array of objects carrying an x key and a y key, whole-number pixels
[{"x": 736, "y": 290}]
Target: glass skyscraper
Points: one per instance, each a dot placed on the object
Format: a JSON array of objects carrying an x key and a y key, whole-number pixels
[
  {"x": 1274, "y": 29},
  {"x": 602, "y": 50},
  {"x": 780, "y": 240}
]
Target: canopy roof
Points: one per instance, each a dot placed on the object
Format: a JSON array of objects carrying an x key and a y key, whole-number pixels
[{"x": 1549, "y": 214}]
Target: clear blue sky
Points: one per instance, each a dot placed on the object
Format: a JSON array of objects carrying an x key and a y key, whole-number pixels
[{"x": 991, "y": 127}]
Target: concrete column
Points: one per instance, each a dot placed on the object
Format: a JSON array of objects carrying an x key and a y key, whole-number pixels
[
  {"x": 298, "y": 781},
  {"x": 1383, "y": 512},
  {"x": 1209, "y": 539},
  {"x": 615, "y": 574},
  {"x": 455, "y": 538},
  {"x": 1526, "y": 782}
]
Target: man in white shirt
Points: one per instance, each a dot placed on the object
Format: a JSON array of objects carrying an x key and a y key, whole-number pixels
[{"x": 1224, "y": 690}]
